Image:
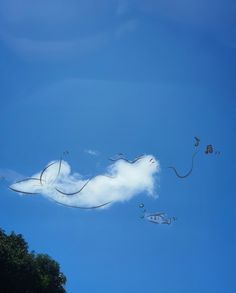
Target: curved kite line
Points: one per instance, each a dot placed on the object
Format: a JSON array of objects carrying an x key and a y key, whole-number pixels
[
  {"x": 28, "y": 179},
  {"x": 73, "y": 193},
  {"x": 23, "y": 180},
  {"x": 59, "y": 169},
  {"x": 126, "y": 160},
  {"x": 85, "y": 208},
  {"x": 76, "y": 192},
  {"x": 189, "y": 172},
  {"x": 20, "y": 191},
  {"x": 44, "y": 170}
]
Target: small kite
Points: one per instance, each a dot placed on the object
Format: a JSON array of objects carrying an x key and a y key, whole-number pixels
[
  {"x": 158, "y": 218},
  {"x": 197, "y": 141},
  {"x": 209, "y": 149}
]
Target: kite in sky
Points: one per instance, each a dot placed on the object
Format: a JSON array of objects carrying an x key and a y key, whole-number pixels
[{"x": 156, "y": 217}]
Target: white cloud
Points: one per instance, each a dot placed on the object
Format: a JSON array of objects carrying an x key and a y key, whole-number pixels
[{"x": 121, "y": 182}]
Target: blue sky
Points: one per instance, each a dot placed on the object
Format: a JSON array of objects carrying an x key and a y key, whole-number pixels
[{"x": 134, "y": 77}]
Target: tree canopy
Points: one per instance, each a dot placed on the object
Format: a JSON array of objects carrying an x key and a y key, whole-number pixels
[{"x": 22, "y": 271}]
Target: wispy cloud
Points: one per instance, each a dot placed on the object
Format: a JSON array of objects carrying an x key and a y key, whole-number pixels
[
  {"x": 60, "y": 29},
  {"x": 92, "y": 152},
  {"x": 121, "y": 182},
  {"x": 65, "y": 29},
  {"x": 29, "y": 48},
  {"x": 10, "y": 175}
]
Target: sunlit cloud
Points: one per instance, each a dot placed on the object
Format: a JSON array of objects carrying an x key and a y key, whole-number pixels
[{"x": 121, "y": 181}]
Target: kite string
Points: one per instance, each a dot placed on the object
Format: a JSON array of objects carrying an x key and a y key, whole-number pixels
[{"x": 189, "y": 172}]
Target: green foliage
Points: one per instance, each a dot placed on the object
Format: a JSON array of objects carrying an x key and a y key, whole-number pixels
[{"x": 25, "y": 272}]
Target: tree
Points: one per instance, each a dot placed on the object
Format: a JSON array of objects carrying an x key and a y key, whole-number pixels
[{"x": 22, "y": 271}]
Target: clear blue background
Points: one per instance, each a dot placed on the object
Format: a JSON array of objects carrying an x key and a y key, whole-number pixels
[{"x": 133, "y": 77}]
